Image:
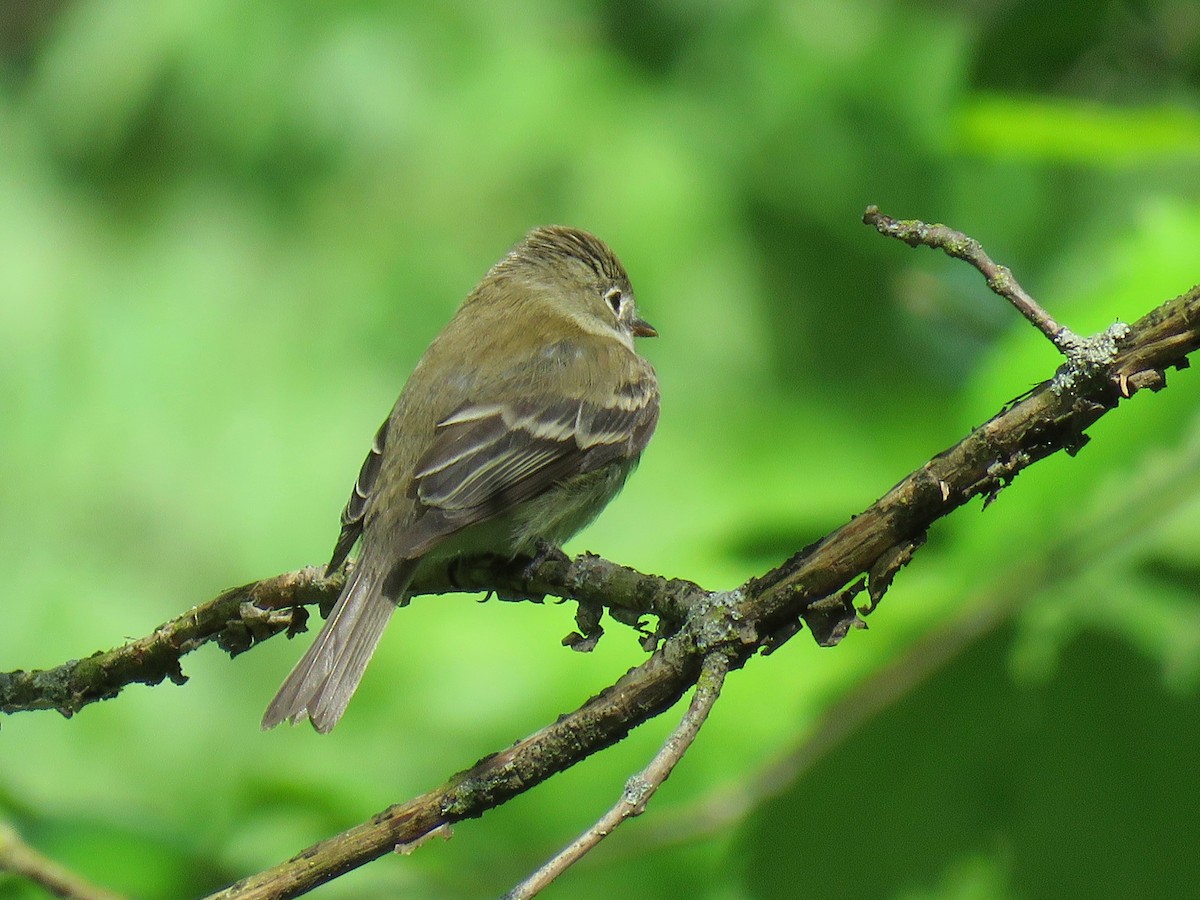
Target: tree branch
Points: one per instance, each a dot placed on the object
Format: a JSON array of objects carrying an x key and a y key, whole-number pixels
[
  {"x": 244, "y": 616},
  {"x": 641, "y": 787},
  {"x": 18, "y": 858},
  {"x": 961, "y": 246},
  {"x": 817, "y": 586},
  {"x": 1086, "y": 354},
  {"x": 1125, "y": 516},
  {"x": 642, "y": 693}
]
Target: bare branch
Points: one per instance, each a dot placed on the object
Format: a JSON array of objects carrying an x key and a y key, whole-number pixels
[
  {"x": 1121, "y": 522},
  {"x": 244, "y": 616},
  {"x": 642, "y": 693},
  {"x": 960, "y": 246},
  {"x": 231, "y": 619},
  {"x": 18, "y": 858},
  {"x": 1054, "y": 416},
  {"x": 641, "y": 787}
]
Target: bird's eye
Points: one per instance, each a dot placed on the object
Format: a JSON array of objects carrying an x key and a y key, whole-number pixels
[{"x": 615, "y": 299}]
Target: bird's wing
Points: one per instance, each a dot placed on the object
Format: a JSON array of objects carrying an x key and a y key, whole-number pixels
[
  {"x": 487, "y": 459},
  {"x": 355, "y": 510}
]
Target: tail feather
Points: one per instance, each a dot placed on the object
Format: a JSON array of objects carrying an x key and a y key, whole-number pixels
[{"x": 322, "y": 683}]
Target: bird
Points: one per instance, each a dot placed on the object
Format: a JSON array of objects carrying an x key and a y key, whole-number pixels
[{"x": 520, "y": 422}]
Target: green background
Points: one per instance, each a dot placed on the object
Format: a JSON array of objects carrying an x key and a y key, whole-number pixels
[{"x": 227, "y": 231}]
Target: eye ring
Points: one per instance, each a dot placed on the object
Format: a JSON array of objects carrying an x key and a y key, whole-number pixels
[{"x": 615, "y": 298}]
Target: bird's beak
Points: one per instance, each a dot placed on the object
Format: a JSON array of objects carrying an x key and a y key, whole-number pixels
[{"x": 642, "y": 328}]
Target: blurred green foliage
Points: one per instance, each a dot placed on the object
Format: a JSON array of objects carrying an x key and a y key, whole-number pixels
[{"x": 228, "y": 229}]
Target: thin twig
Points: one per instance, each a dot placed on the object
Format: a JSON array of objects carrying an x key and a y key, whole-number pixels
[
  {"x": 641, "y": 787},
  {"x": 18, "y": 858},
  {"x": 916, "y": 233}
]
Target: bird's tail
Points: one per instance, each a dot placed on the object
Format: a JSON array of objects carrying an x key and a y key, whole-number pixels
[{"x": 322, "y": 683}]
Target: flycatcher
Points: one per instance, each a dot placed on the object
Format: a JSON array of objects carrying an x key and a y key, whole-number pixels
[{"x": 519, "y": 424}]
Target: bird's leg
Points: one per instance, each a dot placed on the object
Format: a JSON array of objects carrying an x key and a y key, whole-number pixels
[
  {"x": 542, "y": 551},
  {"x": 525, "y": 570}
]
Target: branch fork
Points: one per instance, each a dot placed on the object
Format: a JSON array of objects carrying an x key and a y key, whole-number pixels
[{"x": 1086, "y": 357}]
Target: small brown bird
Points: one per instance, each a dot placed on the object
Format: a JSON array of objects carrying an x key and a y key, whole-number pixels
[{"x": 519, "y": 424}]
